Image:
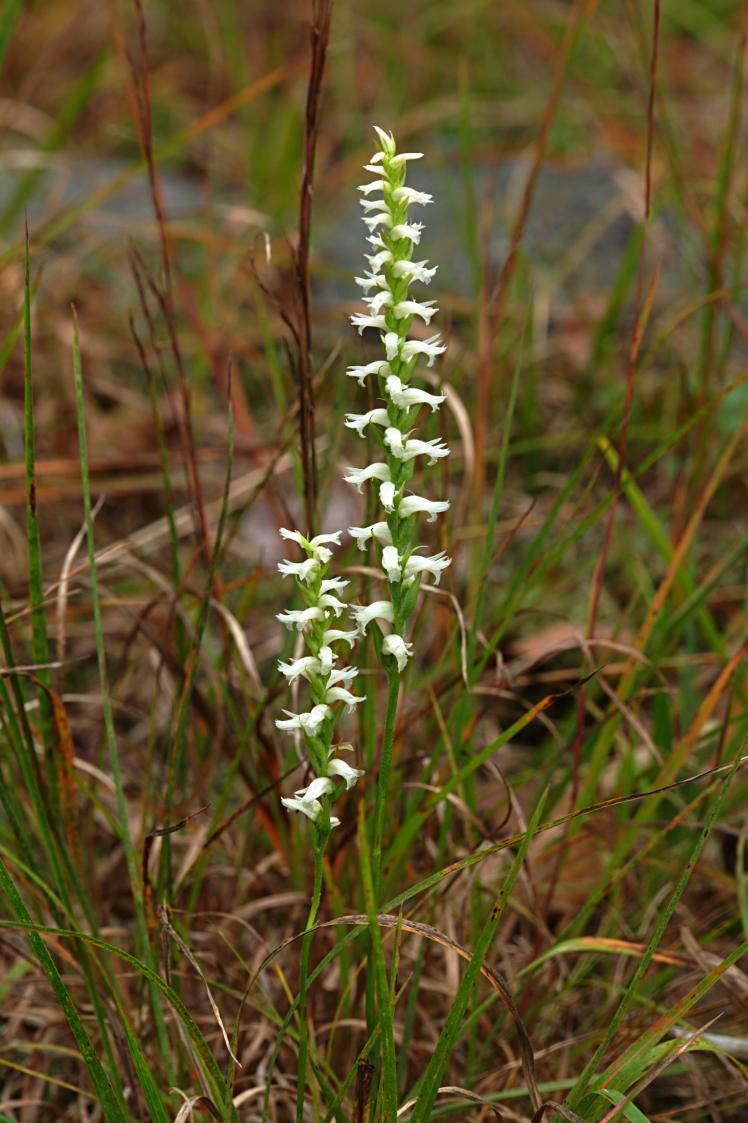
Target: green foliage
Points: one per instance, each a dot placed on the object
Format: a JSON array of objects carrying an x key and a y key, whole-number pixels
[{"x": 536, "y": 900}]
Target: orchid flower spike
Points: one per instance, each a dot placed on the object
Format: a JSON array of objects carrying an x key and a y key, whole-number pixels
[
  {"x": 326, "y": 680},
  {"x": 391, "y": 310}
]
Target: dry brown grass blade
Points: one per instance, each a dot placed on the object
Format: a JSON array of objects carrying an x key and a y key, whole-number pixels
[
  {"x": 473, "y": 1097},
  {"x": 362, "y": 1102},
  {"x": 65, "y": 768},
  {"x": 171, "y": 931},
  {"x": 564, "y": 1112},
  {"x": 302, "y": 327}
]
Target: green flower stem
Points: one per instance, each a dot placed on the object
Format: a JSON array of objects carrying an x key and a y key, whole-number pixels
[
  {"x": 385, "y": 769},
  {"x": 321, "y": 833}
]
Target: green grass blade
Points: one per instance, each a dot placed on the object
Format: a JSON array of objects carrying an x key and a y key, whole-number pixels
[{"x": 112, "y": 1106}]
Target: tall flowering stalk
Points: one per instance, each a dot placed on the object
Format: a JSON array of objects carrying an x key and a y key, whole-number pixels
[
  {"x": 329, "y": 690},
  {"x": 391, "y": 310}
]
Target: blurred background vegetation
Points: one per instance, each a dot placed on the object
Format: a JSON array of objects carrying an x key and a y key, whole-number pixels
[{"x": 601, "y": 286}]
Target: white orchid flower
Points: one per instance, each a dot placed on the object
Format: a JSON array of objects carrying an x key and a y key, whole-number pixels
[
  {"x": 340, "y": 694},
  {"x": 359, "y": 421},
  {"x": 395, "y": 645},
  {"x": 333, "y": 634},
  {"x": 407, "y": 396},
  {"x": 299, "y": 618},
  {"x": 361, "y": 373},
  {"x": 358, "y": 476},
  {"x": 305, "y": 667},
  {"x": 391, "y": 563},
  {"x": 339, "y": 768},
  {"x": 435, "y": 565},
  {"x": 415, "y": 308},
  {"x": 310, "y": 722},
  {"x": 415, "y": 504},
  {"x": 362, "y": 534},
  {"x": 378, "y": 610}
]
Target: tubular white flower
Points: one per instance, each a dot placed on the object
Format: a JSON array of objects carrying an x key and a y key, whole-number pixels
[
  {"x": 393, "y": 438},
  {"x": 379, "y": 366},
  {"x": 414, "y": 308},
  {"x": 414, "y": 270},
  {"x": 313, "y": 544},
  {"x": 400, "y": 159},
  {"x": 326, "y": 658},
  {"x": 333, "y": 584},
  {"x": 358, "y": 476},
  {"x": 334, "y": 634},
  {"x": 345, "y": 675},
  {"x": 435, "y": 565},
  {"x": 307, "y": 666},
  {"x": 377, "y": 260},
  {"x": 380, "y": 300},
  {"x": 434, "y": 450},
  {"x": 429, "y": 347},
  {"x": 310, "y": 722},
  {"x": 392, "y": 345},
  {"x": 369, "y": 280},
  {"x": 295, "y": 536},
  {"x": 306, "y": 800},
  {"x": 378, "y": 610},
  {"x": 362, "y": 534},
  {"x": 340, "y": 694},
  {"x": 411, "y": 231},
  {"x": 340, "y": 768},
  {"x": 407, "y": 396},
  {"x": 387, "y": 495},
  {"x": 410, "y": 195},
  {"x": 375, "y": 206},
  {"x": 303, "y": 570},
  {"x": 391, "y": 563},
  {"x": 299, "y": 618},
  {"x": 359, "y": 421},
  {"x": 327, "y": 600},
  {"x": 375, "y": 185},
  {"x": 319, "y": 539},
  {"x": 395, "y": 645},
  {"x": 387, "y": 142},
  {"x": 415, "y": 504},
  {"x": 361, "y": 321},
  {"x": 381, "y": 218}
]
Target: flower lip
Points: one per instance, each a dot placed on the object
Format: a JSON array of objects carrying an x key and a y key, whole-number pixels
[
  {"x": 377, "y": 610},
  {"x": 299, "y": 618},
  {"x": 395, "y": 645},
  {"x": 416, "y": 504},
  {"x": 377, "y": 471},
  {"x": 378, "y": 530},
  {"x": 340, "y": 768},
  {"x": 305, "y": 667},
  {"x": 310, "y": 722}
]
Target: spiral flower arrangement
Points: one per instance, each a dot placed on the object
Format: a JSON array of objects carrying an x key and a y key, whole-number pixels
[
  {"x": 328, "y": 683},
  {"x": 391, "y": 310}
]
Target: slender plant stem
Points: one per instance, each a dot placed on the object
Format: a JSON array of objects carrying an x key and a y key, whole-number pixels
[
  {"x": 385, "y": 768},
  {"x": 306, "y": 950}
]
